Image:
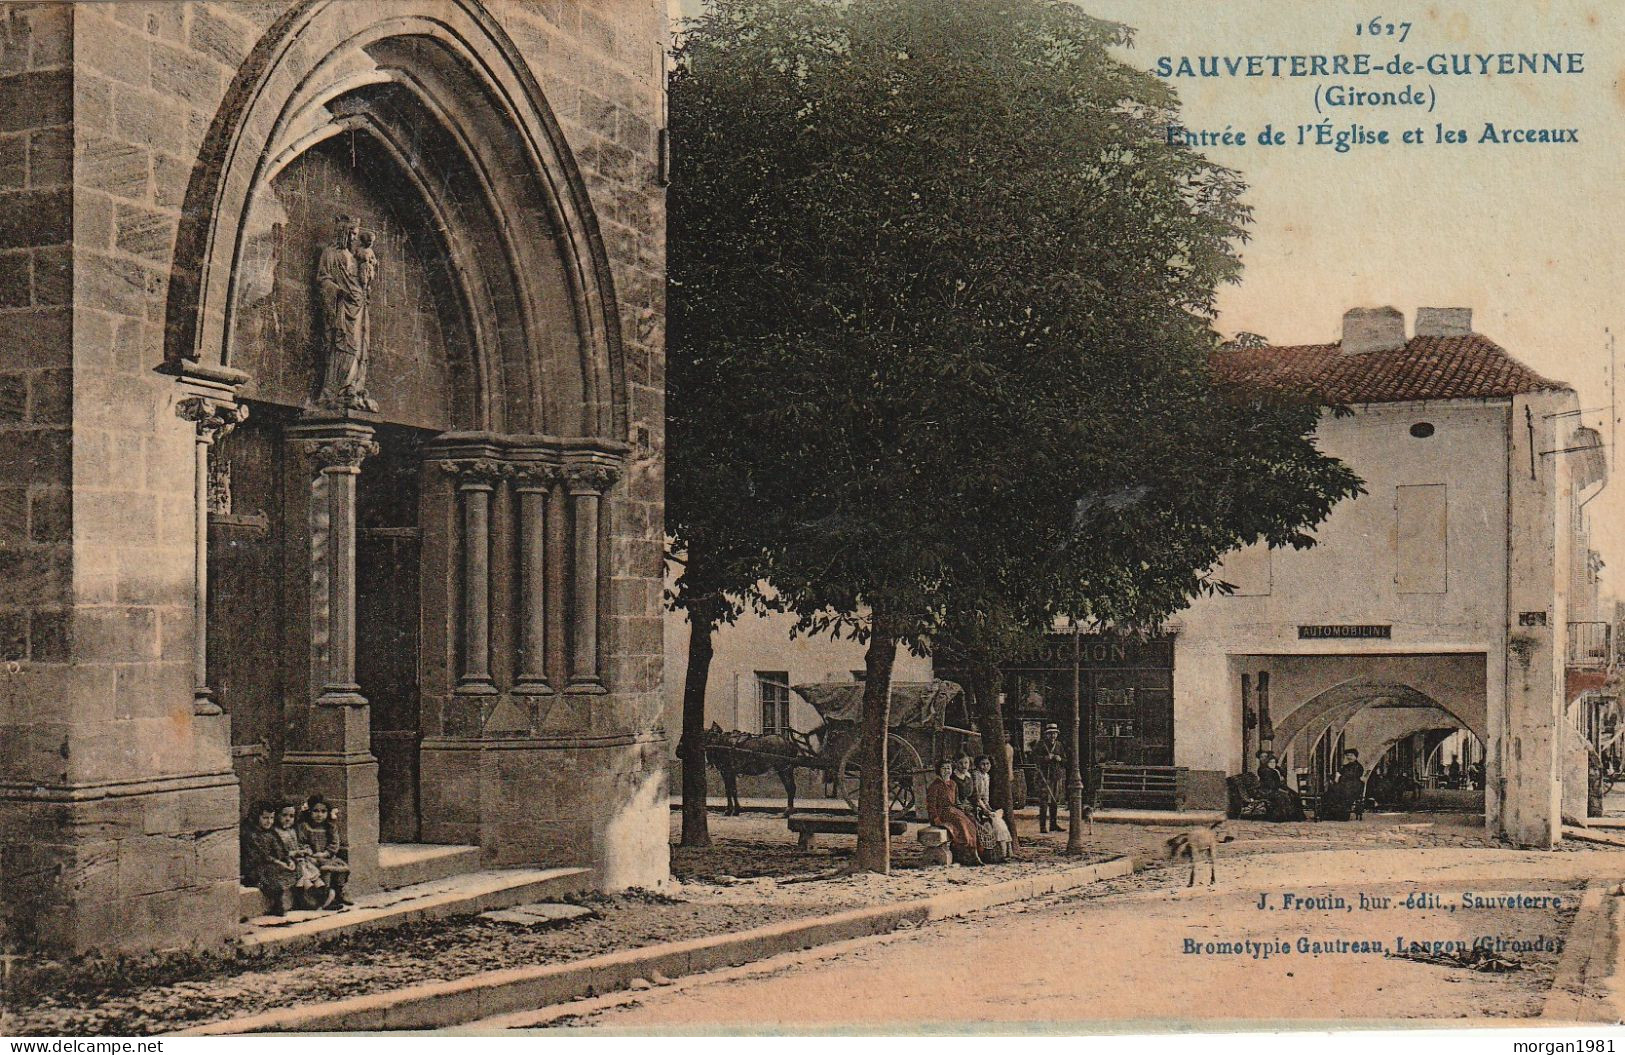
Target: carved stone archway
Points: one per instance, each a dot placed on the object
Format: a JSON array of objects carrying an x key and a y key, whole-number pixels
[
  {"x": 516, "y": 531},
  {"x": 300, "y": 84}
]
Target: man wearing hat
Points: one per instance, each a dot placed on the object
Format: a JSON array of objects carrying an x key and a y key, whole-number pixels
[{"x": 1050, "y": 758}]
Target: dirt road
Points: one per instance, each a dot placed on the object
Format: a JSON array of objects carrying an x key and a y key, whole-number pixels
[{"x": 1145, "y": 950}]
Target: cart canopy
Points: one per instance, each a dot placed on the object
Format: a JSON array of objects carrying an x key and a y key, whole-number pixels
[{"x": 914, "y": 704}]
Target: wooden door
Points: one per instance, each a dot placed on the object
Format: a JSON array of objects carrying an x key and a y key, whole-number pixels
[
  {"x": 246, "y": 602},
  {"x": 387, "y": 633},
  {"x": 387, "y": 670}
]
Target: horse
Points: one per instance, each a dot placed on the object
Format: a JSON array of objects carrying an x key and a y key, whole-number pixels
[{"x": 734, "y": 753}]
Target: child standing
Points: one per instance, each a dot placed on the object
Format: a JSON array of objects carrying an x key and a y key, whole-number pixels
[{"x": 319, "y": 833}]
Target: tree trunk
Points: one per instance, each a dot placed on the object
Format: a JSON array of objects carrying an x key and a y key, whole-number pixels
[
  {"x": 984, "y": 693},
  {"x": 691, "y": 748},
  {"x": 874, "y": 795}
]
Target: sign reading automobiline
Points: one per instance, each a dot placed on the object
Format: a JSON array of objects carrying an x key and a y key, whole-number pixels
[
  {"x": 1376, "y": 98},
  {"x": 1358, "y": 630}
]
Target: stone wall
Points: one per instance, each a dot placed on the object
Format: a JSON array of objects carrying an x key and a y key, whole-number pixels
[{"x": 118, "y": 804}]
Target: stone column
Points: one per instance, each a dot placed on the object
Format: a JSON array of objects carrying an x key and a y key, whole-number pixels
[
  {"x": 337, "y": 462},
  {"x": 213, "y": 419},
  {"x": 475, "y": 482},
  {"x": 533, "y": 484},
  {"x": 330, "y": 750},
  {"x": 587, "y": 485}
]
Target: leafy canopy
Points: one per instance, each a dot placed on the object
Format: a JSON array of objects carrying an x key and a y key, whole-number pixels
[{"x": 941, "y": 295}]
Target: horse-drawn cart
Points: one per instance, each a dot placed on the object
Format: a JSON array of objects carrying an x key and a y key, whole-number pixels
[{"x": 919, "y": 736}]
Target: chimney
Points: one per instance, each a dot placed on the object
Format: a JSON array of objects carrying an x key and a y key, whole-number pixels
[
  {"x": 1444, "y": 322},
  {"x": 1373, "y": 330}
]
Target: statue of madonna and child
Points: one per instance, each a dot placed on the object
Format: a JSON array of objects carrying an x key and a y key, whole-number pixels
[{"x": 344, "y": 280}]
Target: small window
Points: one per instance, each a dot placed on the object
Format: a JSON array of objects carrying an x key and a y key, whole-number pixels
[
  {"x": 1422, "y": 429},
  {"x": 773, "y": 692}
]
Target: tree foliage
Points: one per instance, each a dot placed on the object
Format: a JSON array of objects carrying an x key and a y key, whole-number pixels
[{"x": 941, "y": 295}]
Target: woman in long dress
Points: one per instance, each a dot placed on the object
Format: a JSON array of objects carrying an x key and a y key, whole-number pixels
[
  {"x": 1340, "y": 799},
  {"x": 1284, "y": 802},
  {"x": 942, "y": 807},
  {"x": 982, "y": 793},
  {"x": 987, "y": 839}
]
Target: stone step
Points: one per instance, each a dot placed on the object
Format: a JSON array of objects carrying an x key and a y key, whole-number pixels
[
  {"x": 463, "y": 895},
  {"x": 406, "y": 864},
  {"x": 399, "y": 865}
]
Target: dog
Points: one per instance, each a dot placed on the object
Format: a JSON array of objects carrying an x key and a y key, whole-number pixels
[{"x": 1195, "y": 842}]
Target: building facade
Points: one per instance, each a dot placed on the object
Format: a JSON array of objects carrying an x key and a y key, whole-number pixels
[
  {"x": 1437, "y": 601},
  {"x": 755, "y": 664},
  {"x": 332, "y": 432}
]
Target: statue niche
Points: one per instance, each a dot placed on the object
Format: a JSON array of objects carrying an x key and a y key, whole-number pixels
[{"x": 344, "y": 278}]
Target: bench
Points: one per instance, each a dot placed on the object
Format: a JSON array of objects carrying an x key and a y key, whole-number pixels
[
  {"x": 1143, "y": 787},
  {"x": 809, "y": 825}
]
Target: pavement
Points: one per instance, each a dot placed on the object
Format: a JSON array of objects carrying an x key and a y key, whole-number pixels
[
  {"x": 1122, "y": 952},
  {"x": 435, "y": 1004},
  {"x": 1303, "y": 925}
]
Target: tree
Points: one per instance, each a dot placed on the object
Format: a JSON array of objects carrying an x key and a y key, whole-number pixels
[
  {"x": 956, "y": 287},
  {"x": 716, "y": 529}
]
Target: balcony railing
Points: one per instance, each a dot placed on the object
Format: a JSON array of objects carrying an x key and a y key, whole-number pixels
[{"x": 1590, "y": 646}]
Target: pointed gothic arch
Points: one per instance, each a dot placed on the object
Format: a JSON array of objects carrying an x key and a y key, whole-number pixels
[
  {"x": 489, "y": 476},
  {"x": 436, "y": 79}
]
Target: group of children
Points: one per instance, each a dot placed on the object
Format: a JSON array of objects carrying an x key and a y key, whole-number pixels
[{"x": 294, "y": 853}]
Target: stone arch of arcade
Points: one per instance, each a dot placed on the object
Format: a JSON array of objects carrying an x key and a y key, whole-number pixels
[
  {"x": 1374, "y": 732},
  {"x": 1334, "y": 707},
  {"x": 459, "y": 493}
]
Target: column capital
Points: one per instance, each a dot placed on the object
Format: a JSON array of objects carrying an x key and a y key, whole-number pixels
[
  {"x": 476, "y": 472},
  {"x": 536, "y": 476},
  {"x": 591, "y": 478},
  {"x": 342, "y": 453},
  {"x": 333, "y": 446},
  {"x": 212, "y": 417}
]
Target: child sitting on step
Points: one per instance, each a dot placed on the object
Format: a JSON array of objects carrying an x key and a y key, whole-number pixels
[
  {"x": 266, "y": 860},
  {"x": 319, "y": 834}
]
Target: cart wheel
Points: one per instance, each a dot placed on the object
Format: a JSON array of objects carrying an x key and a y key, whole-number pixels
[{"x": 903, "y": 768}]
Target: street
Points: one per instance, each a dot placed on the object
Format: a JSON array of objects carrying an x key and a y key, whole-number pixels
[{"x": 1119, "y": 953}]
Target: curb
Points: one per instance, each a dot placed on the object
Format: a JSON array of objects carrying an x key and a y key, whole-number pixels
[
  {"x": 1156, "y": 819},
  {"x": 434, "y": 1005},
  {"x": 1596, "y": 838}
]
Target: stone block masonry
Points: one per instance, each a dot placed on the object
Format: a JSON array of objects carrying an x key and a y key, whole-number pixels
[{"x": 127, "y": 131}]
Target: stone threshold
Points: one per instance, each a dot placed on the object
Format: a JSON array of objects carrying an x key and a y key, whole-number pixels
[
  {"x": 462, "y": 895},
  {"x": 399, "y": 865}
]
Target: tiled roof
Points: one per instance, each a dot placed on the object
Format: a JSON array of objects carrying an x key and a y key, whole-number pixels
[{"x": 1462, "y": 367}]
